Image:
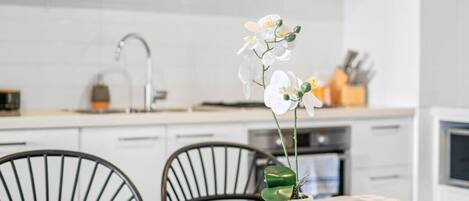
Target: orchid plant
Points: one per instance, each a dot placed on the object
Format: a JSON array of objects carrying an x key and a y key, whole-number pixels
[{"x": 271, "y": 41}]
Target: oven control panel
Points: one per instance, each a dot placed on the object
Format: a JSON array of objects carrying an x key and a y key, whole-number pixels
[{"x": 314, "y": 139}]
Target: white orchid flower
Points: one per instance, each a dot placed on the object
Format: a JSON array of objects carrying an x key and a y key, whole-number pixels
[
  {"x": 250, "y": 42},
  {"x": 274, "y": 93},
  {"x": 267, "y": 26},
  {"x": 282, "y": 31},
  {"x": 247, "y": 73},
  {"x": 285, "y": 91},
  {"x": 267, "y": 29},
  {"x": 281, "y": 51}
]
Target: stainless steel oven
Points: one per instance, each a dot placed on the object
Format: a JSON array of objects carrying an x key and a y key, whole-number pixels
[
  {"x": 456, "y": 157},
  {"x": 311, "y": 141}
]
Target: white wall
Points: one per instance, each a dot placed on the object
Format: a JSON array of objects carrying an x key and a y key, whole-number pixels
[
  {"x": 444, "y": 70},
  {"x": 51, "y": 49},
  {"x": 389, "y": 31}
]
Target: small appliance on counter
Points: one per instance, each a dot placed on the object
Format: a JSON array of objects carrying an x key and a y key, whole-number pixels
[
  {"x": 9, "y": 102},
  {"x": 100, "y": 96}
]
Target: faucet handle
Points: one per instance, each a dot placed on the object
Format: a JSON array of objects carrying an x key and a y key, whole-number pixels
[{"x": 160, "y": 95}]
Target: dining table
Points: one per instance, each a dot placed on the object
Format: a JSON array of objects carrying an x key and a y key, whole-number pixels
[{"x": 361, "y": 198}]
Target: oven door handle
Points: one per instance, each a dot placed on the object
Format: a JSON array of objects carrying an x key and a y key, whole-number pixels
[{"x": 343, "y": 156}]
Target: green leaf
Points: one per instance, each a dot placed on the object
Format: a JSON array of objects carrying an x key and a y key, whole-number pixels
[
  {"x": 297, "y": 29},
  {"x": 290, "y": 37},
  {"x": 279, "y": 176},
  {"x": 280, "y": 193}
]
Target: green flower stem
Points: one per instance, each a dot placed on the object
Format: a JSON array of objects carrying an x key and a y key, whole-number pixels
[
  {"x": 256, "y": 82},
  {"x": 255, "y": 52},
  {"x": 280, "y": 134},
  {"x": 279, "y": 129},
  {"x": 295, "y": 138}
]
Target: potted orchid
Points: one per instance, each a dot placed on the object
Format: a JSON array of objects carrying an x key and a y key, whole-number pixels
[{"x": 271, "y": 41}]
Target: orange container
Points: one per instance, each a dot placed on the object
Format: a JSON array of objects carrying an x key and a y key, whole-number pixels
[{"x": 323, "y": 94}]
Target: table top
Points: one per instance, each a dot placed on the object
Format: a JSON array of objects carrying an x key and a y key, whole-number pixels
[{"x": 361, "y": 198}]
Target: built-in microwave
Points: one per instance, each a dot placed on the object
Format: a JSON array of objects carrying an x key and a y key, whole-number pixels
[{"x": 456, "y": 153}]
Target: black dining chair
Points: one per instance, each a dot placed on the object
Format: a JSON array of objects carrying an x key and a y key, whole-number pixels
[
  {"x": 62, "y": 175},
  {"x": 215, "y": 171}
]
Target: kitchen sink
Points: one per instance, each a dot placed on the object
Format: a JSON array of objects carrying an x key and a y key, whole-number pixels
[{"x": 134, "y": 111}]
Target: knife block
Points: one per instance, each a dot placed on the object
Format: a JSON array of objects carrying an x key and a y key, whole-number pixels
[
  {"x": 353, "y": 96},
  {"x": 343, "y": 94}
]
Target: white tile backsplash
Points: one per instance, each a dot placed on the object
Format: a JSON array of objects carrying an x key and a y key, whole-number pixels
[{"x": 51, "y": 50}]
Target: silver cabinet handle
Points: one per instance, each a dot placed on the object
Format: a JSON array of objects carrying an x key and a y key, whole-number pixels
[
  {"x": 195, "y": 135},
  {"x": 385, "y": 177},
  {"x": 5, "y": 144},
  {"x": 386, "y": 127},
  {"x": 145, "y": 138}
]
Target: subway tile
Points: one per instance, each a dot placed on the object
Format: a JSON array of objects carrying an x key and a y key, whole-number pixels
[{"x": 55, "y": 50}]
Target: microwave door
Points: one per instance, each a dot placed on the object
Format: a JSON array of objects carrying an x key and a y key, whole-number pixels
[{"x": 458, "y": 157}]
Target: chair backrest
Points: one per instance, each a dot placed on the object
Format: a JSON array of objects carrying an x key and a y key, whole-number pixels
[
  {"x": 215, "y": 171},
  {"x": 62, "y": 175}
]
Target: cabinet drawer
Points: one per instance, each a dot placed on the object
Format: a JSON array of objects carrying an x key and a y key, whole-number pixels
[
  {"x": 12, "y": 141},
  {"x": 393, "y": 182},
  {"x": 140, "y": 152},
  {"x": 182, "y": 135},
  {"x": 381, "y": 142}
]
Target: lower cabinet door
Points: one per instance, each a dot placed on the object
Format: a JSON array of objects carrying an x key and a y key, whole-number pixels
[
  {"x": 393, "y": 182},
  {"x": 140, "y": 152},
  {"x": 13, "y": 141}
]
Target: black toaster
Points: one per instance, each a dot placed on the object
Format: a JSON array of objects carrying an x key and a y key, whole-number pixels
[{"x": 9, "y": 100}]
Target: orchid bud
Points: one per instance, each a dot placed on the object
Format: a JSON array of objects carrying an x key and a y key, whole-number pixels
[
  {"x": 297, "y": 29},
  {"x": 279, "y": 22},
  {"x": 305, "y": 87},
  {"x": 300, "y": 94},
  {"x": 286, "y": 97},
  {"x": 290, "y": 37}
]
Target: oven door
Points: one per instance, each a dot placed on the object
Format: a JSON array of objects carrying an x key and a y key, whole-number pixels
[
  {"x": 458, "y": 157},
  {"x": 343, "y": 175}
]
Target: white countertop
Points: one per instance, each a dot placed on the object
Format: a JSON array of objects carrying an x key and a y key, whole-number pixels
[{"x": 63, "y": 119}]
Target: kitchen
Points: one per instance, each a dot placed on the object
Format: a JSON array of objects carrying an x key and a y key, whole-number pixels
[{"x": 178, "y": 59}]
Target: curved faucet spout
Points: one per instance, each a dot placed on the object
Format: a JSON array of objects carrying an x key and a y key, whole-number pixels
[
  {"x": 136, "y": 36},
  {"x": 148, "y": 99}
]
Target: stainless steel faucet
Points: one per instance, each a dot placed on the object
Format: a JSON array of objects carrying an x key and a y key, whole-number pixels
[{"x": 148, "y": 97}]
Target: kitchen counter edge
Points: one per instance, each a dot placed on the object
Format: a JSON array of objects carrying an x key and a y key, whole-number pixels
[{"x": 58, "y": 119}]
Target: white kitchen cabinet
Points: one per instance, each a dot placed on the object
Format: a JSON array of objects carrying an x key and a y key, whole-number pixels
[
  {"x": 140, "y": 152},
  {"x": 12, "y": 141},
  {"x": 381, "y": 156},
  {"x": 382, "y": 142},
  {"x": 182, "y": 135},
  {"x": 394, "y": 182}
]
